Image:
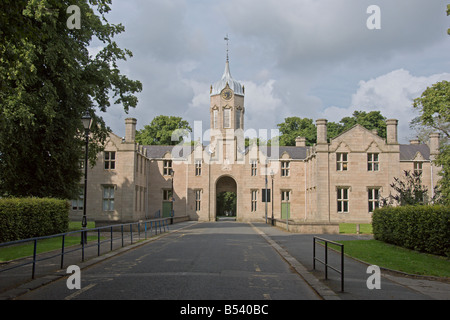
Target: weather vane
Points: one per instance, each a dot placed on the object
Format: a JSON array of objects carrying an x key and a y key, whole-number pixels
[{"x": 227, "y": 39}]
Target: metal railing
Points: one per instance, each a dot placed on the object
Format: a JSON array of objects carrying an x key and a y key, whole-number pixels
[
  {"x": 341, "y": 272},
  {"x": 151, "y": 226}
]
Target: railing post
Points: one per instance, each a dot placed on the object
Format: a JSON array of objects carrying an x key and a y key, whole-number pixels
[
  {"x": 314, "y": 253},
  {"x": 62, "y": 251},
  {"x": 326, "y": 260},
  {"x": 34, "y": 259},
  {"x": 121, "y": 228},
  {"x": 111, "y": 238},
  {"x": 342, "y": 268},
  {"x": 98, "y": 242},
  {"x": 131, "y": 233},
  {"x": 82, "y": 248}
]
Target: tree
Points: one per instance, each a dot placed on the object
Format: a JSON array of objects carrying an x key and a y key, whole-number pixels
[
  {"x": 48, "y": 81},
  {"x": 294, "y": 127},
  {"x": 434, "y": 115},
  {"x": 409, "y": 191},
  {"x": 371, "y": 121},
  {"x": 448, "y": 14},
  {"x": 226, "y": 202},
  {"x": 434, "y": 107},
  {"x": 161, "y": 129}
]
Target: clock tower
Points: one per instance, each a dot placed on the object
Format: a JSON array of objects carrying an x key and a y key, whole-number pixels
[{"x": 227, "y": 117}]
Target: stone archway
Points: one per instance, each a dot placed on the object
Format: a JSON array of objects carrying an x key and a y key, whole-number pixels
[{"x": 226, "y": 184}]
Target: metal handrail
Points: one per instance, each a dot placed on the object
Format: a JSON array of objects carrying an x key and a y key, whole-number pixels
[
  {"x": 341, "y": 272},
  {"x": 154, "y": 224}
]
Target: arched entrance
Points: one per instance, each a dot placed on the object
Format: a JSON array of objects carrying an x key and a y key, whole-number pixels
[{"x": 226, "y": 198}]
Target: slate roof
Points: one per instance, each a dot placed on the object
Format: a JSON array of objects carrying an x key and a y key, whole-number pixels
[
  {"x": 409, "y": 151},
  {"x": 296, "y": 153}
]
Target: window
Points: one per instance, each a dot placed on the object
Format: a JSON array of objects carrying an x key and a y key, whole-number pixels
[
  {"x": 227, "y": 118},
  {"x": 254, "y": 199},
  {"x": 167, "y": 169},
  {"x": 374, "y": 197},
  {"x": 167, "y": 195},
  {"x": 254, "y": 167},
  {"x": 341, "y": 161},
  {"x": 215, "y": 119},
  {"x": 198, "y": 167},
  {"x": 342, "y": 200},
  {"x": 108, "y": 198},
  {"x": 372, "y": 162},
  {"x": 285, "y": 196},
  {"x": 198, "y": 200},
  {"x": 78, "y": 203},
  {"x": 110, "y": 160},
  {"x": 285, "y": 165},
  {"x": 238, "y": 119},
  {"x": 418, "y": 167}
]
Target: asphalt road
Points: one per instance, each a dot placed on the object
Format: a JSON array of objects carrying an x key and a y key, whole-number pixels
[{"x": 206, "y": 261}]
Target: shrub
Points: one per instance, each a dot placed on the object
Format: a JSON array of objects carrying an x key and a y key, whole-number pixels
[
  {"x": 22, "y": 218},
  {"x": 421, "y": 228}
]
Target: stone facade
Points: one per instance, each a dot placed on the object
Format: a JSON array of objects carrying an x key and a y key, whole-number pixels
[{"x": 334, "y": 181}]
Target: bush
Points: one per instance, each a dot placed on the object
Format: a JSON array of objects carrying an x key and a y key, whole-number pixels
[
  {"x": 421, "y": 228},
  {"x": 23, "y": 218}
]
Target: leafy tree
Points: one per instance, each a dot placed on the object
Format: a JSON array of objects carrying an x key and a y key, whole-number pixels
[
  {"x": 448, "y": 14},
  {"x": 226, "y": 202},
  {"x": 371, "y": 121},
  {"x": 48, "y": 81},
  {"x": 409, "y": 191},
  {"x": 160, "y": 131},
  {"x": 294, "y": 127},
  {"x": 434, "y": 114}
]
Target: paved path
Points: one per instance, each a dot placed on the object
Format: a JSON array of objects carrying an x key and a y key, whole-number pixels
[
  {"x": 206, "y": 261},
  {"x": 228, "y": 261}
]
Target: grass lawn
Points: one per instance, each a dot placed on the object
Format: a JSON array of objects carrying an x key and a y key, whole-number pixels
[
  {"x": 397, "y": 258},
  {"x": 26, "y": 249},
  {"x": 350, "y": 228}
]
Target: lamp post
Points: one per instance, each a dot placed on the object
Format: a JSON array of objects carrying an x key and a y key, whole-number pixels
[
  {"x": 272, "y": 174},
  {"x": 172, "y": 212},
  {"x": 87, "y": 121}
]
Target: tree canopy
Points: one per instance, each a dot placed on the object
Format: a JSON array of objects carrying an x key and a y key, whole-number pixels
[
  {"x": 434, "y": 115},
  {"x": 48, "y": 81},
  {"x": 294, "y": 127},
  {"x": 161, "y": 129}
]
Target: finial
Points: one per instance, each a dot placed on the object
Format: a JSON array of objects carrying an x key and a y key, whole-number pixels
[{"x": 227, "y": 39}]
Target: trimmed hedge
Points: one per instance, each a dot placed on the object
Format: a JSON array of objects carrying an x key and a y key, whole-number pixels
[
  {"x": 421, "y": 228},
  {"x": 23, "y": 218}
]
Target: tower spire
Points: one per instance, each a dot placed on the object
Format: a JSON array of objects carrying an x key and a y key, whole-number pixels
[{"x": 227, "y": 39}]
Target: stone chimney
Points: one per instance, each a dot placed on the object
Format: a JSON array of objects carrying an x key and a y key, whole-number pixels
[
  {"x": 300, "y": 142},
  {"x": 321, "y": 131},
  {"x": 391, "y": 128},
  {"x": 414, "y": 141},
  {"x": 130, "y": 130},
  {"x": 434, "y": 143}
]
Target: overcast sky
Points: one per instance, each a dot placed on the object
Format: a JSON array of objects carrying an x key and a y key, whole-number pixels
[{"x": 305, "y": 58}]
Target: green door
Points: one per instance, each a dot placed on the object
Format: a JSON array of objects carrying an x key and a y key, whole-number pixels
[
  {"x": 167, "y": 209},
  {"x": 285, "y": 210}
]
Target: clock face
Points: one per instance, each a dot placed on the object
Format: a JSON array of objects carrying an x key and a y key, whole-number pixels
[{"x": 227, "y": 94}]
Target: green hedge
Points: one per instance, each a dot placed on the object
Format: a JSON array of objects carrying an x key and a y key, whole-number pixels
[
  {"x": 23, "y": 218},
  {"x": 421, "y": 228}
]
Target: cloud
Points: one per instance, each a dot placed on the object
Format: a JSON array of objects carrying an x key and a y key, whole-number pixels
[
  {"x": 392, "y": 94},
  {"x": 298, "y": 56}
]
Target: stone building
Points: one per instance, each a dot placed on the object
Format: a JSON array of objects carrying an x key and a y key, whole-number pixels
[{"x": 333, "y": 181}]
